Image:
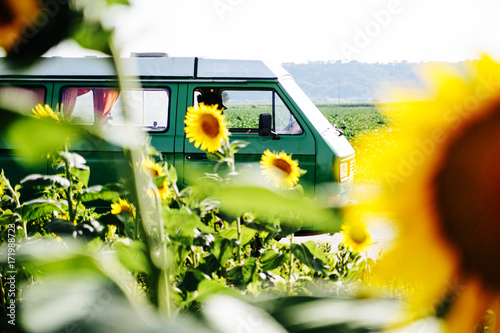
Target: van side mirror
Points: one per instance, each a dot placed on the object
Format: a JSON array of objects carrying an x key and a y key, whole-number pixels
[{"x": 265, "y": 124}]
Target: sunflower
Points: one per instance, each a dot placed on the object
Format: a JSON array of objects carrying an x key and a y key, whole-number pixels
[
  {"x": 206, "y": 126},
  {"x": 122, "y": 206},
  {"x": 280, "y": 169},
  {"x": 356, "y": 235},
  {"x": 44, "y": 111},
  {"x": 152, "y": 168},
  {"x": 164, "y": 191},
  {"x": 15, "y": 16},
  {"x": 441, "y": 180}
]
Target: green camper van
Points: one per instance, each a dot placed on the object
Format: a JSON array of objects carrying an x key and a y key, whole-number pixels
[{"x": 163, "y": 88}]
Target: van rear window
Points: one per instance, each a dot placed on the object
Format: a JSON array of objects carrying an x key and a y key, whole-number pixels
[{"x": 104, "y": 106}]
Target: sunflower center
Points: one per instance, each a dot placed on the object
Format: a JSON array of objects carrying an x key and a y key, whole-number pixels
[
  {"x": 467, "y": 190},
  {"x": 6, "y": 14},
  {"x": 282, "y": 165},
  {"x": 210, "y": 125},
  {"x": 358, "y": 234}
]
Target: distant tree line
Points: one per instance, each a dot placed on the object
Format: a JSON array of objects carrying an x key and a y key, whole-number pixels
[{"x": 353, "y": 82}]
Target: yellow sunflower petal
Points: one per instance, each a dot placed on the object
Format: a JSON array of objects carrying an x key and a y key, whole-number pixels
[{"x": 469, "y": 309}]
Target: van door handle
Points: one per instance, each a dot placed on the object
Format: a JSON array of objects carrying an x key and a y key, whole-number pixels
[{"x": 196, "y": 157}]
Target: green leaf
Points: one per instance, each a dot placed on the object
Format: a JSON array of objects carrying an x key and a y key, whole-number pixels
[
  {"x": 159, "y": 180},
  {"x": 74, "y": 160},
  {"x": 82, "y": 174},
  {"x": 209, "y": 264},
  {"x": 236, "y": 200},
  {"x": 223, "y": 249},
  {"x": 247, "y": 234},
  {"x": 271, "y": 260},
  {"x": 310, "y": 255},
  {"x": 92, "y": 35},
  {"x": 289, "y": 225},
  {"x": 229, "y": 233},
  {"x": 270, "y": 225},
  {"x": 172, "y": 172},
  {"x": 61, "y": 227},
  {"x": 237, "y": 145},
  {"x": 39, "y": 181},
  {"x": 338, "y": 314},
  {"x": 35, "y": 138},
  {"x": 37, "y": 208},
  {"x": 118, "y": 2},
  {"x": 181, "y": 225},
  {"x": 134, "y": 257},
  {"x": 242, "y": 275},
  {"x": 109, "y": 192},
  {"x": 8, "y": 216},
  {"x": 192, "y": 278},
  {"x": 210, "y": 288}
]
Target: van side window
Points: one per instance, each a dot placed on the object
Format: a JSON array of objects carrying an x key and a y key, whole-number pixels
[
  {"x": 242, "y": 108},
  {"x": 28, "y": 95},
  {"x": 104, "y": 106}
]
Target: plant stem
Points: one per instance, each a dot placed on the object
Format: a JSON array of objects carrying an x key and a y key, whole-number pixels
[
  {"x": 69, "y": 193},
  {"x": 14, "y": 194},
  {"x": 290, "y": 264},
  {"x": 238, "y": 229},
  {"x": 166, "y": 285},
  {"x": 230, "y": 156}
]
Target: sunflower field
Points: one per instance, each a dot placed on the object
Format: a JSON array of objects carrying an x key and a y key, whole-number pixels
[{"x": 144, "y": 255}]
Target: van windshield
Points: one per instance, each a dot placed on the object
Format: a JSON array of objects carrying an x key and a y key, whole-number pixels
[{"x": 317, "y": 118}]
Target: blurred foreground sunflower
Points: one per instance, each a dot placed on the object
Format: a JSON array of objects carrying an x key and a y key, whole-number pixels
[
  {"x": 29, "y": 28},
  {"x": 15, "y": 16},
  {"x": 280, "y": 169},
  {"x": 356, "y": 235},
  {"x": 441, "y": 178},
  {"x": 206, "y": 126},
  {"x": 122, "y": 206},
  {"x": 44, "y": 111},
  {"x": 152, "y": 168}
]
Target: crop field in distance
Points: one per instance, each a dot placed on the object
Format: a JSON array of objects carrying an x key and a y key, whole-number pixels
[{"x": 352, "y": 119}]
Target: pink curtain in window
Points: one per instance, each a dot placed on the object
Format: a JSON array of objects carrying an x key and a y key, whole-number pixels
[
  {"x": 104, "y": 99},
  {"x": 39, "y": 94},
  {"x": 69, "y": 99}
]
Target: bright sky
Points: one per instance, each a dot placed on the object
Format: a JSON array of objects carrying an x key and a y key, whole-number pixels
[{"x": 300, "y": 31}]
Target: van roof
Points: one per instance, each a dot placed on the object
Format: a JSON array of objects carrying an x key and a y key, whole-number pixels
[{"x": 179, "y": 67}]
